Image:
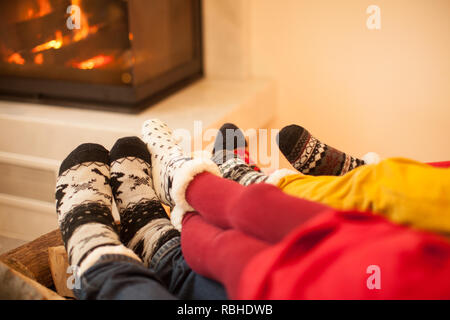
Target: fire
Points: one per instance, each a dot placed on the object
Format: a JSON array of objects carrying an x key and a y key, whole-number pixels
[
  {"x": 44, "y": 9},
  {"x": 84, "y": 32},
  {"x": 95, "y": 62},
  {"x": 39, "y": 59},
  {"x": 85, "y": 29},
  {"x": 16, "y": 58},
  {"x": 52, "y": 44}
]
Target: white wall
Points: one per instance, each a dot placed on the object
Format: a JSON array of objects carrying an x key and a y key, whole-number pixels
[{"x": 361, "y": 90}]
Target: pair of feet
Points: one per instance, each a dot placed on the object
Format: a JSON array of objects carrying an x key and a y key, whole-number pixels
[
  {"x": 139, "y": 177},
  {"x": 89, "y": 179},
  {"x": 306, "y": 153}
]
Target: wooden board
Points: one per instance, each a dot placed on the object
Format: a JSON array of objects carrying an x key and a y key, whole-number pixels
[
  {"x": 16, "y": 286},
  {"x": 31, "y": 259},
  {"x": 58, "y": 262}
]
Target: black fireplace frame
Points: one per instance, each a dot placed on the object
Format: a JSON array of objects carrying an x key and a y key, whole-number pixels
[{"x": 119, "y": 98}]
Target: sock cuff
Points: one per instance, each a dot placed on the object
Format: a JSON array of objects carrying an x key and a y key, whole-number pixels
[
  {"x": 129, "y": 147},
  {"x": 279, "y": 174},
  {"x": 86, "y": 152},
  {"x": 181, "y": 181},
  {"x": 371, "y": 158}
]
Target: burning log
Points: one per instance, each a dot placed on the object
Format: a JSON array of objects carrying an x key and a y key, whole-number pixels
[
  {"x": 102, "y": 42},
  {"x": 25, "y": 35}
]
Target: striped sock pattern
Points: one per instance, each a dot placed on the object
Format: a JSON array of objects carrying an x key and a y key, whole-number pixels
[
  {"x": 234, "y": 168},
  {"x": 145, "y": 226},
  {"x": 230, "y": 155},
  {"x": 83, "y": 205}
]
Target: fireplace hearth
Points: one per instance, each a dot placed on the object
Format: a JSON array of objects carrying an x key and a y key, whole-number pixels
[{"x": 121, "y": 55}]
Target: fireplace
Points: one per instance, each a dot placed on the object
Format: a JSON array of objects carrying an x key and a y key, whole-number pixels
[{"x": 122, "y": 55}]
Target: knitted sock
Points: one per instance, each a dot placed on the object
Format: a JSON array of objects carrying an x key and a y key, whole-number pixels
[
  {"x": 227, "y": 154},
  {"x": 145, "y": 226},
  {"x": 310, "y": 156},
  {"x": 83, "y": 204},
  {"x": 228, "y": 146},
  {"x": 230, "y": 137},
  {"x": 172, "y": 170}
]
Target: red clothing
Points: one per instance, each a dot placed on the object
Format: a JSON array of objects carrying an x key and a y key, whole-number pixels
[
  {"x": 443, "y": 164},
  {"x": 263, "y": 244},
  {"x": 328, "y": 257}
]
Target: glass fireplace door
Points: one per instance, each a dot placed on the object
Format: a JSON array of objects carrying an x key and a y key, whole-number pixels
[{"x": 100, "y": 53}]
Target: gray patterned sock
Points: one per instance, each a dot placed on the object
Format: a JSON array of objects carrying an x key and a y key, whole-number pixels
[{"x": 234, "y": 168}]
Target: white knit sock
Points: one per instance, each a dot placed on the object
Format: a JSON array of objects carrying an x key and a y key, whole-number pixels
[
  {"x": 172, "y": 170},
  {"x": 145, "y": 226},
  {"x": 83, "y": 204}
]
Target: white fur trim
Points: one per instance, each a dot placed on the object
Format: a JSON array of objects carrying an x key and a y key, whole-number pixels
[
  {"x": 95, "y": 255},
  {"x": 182, "y": 177},
  {"x": 176, "y": 217},
  {"x": 371, "y": 158},
  {"x": 276, "y": 176}
]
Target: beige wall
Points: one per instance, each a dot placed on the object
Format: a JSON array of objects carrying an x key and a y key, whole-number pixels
[{"x": 358, "y": 89}]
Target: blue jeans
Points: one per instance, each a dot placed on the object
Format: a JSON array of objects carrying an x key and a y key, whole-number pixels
[{"x": 168, "y": 277}]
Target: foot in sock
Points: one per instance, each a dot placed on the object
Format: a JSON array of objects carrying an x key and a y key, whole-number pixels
[
  {"x": 230, "y": 137},
  {"x": 229, "y": 143},
  {"x": 310, "y": 156},
  {"x": 172, "y": 170},
  {"x": 145, "y": 226},
  {"x": 229, "y": 147},
  {"x": 83, "y": 205}
]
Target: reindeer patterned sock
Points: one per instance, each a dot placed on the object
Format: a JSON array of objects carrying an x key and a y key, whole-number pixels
[
  {"x": 83, "y": 205},
  {"x": 145, "y": 226}
]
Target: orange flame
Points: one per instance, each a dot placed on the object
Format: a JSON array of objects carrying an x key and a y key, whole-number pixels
[
  {"x": 52, "y": 44},
  {"x": 85, "y": 30},
  {"x": 95, "y": 62},
  {"x": 44, "y": 7},
  {"x": 16, "y": 58},
  {"x": 39, "y": 59}
]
